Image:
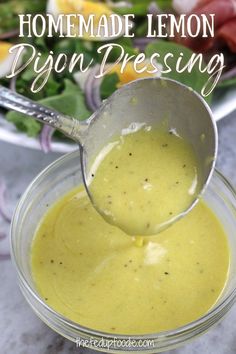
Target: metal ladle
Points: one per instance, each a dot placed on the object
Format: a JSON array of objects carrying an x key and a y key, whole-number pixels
[{"x": 147, "y": 101}]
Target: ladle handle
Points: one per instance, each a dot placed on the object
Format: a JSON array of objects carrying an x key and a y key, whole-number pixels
[{"x": 67, "y": 125}]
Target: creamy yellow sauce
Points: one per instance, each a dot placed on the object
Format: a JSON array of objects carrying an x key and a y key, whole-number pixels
[
  {"x": 144, "y": 179},
  {"x": 94, "y": 274}
]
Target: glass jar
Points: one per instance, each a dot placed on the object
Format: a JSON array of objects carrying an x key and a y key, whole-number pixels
[{"x": 54, "y": 182}]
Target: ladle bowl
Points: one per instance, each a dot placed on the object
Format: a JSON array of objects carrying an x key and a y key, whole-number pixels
[{"x": 151, "y": 101}]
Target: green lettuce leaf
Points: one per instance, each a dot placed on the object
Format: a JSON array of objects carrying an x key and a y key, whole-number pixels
[
  {"x": 195, "y": 79},
  {"x": 227, "y": 83},
  {"x": 9, "y": 11},
  {"x": 70, "y": 102},
  {"x": 109, "y": 85}
]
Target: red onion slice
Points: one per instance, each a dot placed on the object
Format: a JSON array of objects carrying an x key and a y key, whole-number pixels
[
  {"x": 3, "y": 208},
  {"x": 153, "y": 9},
  {"x": 142, "y": 42},
  {"x": 10, "y": 34},
  {"x": 229, "y": 75},
  {"x": 4, "y": 256},
  {"x": 96, "y": 93},
  {"x": 92, "y": 90},
  {"x": 45, "y": 138},
  {"x": 2, "y": 235}
]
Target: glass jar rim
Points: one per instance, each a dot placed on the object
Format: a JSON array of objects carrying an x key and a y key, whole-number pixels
[{"x": 228, "y": 301}]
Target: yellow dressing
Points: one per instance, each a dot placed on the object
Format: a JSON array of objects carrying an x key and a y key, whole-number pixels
[
  {"x": 93, "y": 274},
  {"x": 144, "y": 179}
]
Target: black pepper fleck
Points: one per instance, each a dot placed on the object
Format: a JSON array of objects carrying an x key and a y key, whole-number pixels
[
  {"x": 166, "y": 273},
  {"x": 52, "y": 261}
]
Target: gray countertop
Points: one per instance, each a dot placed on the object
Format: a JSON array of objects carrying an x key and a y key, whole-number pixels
[{"x": 21, "y": 331}]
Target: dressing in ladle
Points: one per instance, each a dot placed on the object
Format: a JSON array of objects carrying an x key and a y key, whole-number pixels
[
  {"x": 144, "y": 103},
  {"x": 143, "y": 180}
]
